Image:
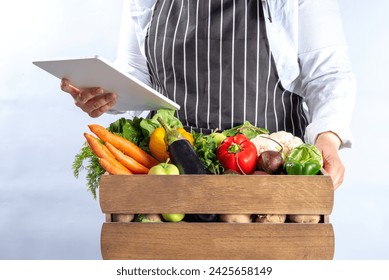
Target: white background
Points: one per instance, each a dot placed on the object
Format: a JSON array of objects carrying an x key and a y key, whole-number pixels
[{"x": 45, "y": 213}]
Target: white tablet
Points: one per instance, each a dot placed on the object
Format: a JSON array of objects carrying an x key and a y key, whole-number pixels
[{"x": 133, "y": 95}]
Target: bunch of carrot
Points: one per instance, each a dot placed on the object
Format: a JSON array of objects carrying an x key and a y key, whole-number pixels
[{"x": 118, "y": 155}]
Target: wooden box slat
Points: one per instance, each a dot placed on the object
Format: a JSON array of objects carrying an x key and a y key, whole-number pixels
[
  {"x": 221, "y": 194},
  {"x": 227, "y": 194},
  {"x": 218, "y": 241}
]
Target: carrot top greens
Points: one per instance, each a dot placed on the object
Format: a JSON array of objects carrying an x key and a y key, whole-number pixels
[
  {"x": 136, "y": 130},
  {"x": 92, "y": 167}
]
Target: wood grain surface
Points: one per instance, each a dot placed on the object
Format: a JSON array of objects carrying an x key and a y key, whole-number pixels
[
  {"x": 218, "y": 241},
  {"x": 269, "y": 194}
]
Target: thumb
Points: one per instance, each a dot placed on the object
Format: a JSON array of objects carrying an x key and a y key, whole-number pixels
[{"x": 69, "y": 88}]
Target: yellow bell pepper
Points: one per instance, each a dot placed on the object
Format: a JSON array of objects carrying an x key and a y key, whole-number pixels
[
  {"x": 157, "y": 145},
  {"x": 188, "y": 136}
]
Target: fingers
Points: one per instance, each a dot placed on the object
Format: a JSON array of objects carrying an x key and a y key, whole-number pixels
[
  {"x": 335, "y": 168},
  {"x": 98, "y": 105},
  {"x": 93, "y": 101},
  {"x": 328, "y": 143},
  {"x": 87, "y": 95}
]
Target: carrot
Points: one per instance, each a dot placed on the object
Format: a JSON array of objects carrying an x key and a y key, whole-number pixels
[
  {"x": 97, "y": 147},
  {"x": 106, "y": 158},
  {"x": 127, "y": 161},
  {"x": 126, "y": 146},
  {"x": 112, "y": 166}
]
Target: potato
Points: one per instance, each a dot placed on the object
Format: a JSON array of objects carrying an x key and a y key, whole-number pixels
[
  {"x": 304, "y": 219},
  {"x": 149, "y": 218},
  {"x": 235, "y": 218},
  {"x": 270, "y": 218},
  {"x": 122, "y": 218}
]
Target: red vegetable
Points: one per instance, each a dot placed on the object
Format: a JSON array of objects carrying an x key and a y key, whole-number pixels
[{"x": 237, "y": 153}]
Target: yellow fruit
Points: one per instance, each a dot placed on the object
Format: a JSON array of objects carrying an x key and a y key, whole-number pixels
[
  {"x": 188, "y": 136},
  {"x": 157, "y": 145}
]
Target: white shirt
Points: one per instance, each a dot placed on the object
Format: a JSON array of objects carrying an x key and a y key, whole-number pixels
[{"x": 308, "y": 45}]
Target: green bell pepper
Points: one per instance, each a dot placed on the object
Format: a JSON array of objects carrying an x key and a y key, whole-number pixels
[{"x": 305, "y": 159}]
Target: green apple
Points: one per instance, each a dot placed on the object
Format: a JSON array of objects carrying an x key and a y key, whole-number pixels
[
  {"x": 173, "y": 217},
  {"x": 164, "y": 169},
  {"x": 218, "y": 137}
]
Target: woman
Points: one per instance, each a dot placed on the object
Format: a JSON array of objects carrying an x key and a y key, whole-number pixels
[{"x": 280, "y": 64}]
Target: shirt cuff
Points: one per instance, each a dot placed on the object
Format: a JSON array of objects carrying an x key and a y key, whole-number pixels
[
  {"x": 131, "y": 114},
  {"x": 320, "y": 126}
]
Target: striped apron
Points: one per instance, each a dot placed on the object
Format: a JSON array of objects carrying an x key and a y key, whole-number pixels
[{"x": 212, "y": 57}]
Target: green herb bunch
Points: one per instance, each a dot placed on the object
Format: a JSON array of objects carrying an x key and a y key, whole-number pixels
[{"x": 205, "y": 147}]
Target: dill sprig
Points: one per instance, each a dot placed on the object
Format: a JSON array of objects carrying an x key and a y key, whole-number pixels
[{"x": 87, "y": 160}]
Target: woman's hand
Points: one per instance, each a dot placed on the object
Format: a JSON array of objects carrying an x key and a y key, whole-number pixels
[
  {"x": 328, "y": 143},
  {"x": 93, "y": 101}
]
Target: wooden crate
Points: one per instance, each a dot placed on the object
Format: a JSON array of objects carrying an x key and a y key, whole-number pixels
[{"x": 221, "y": 194}]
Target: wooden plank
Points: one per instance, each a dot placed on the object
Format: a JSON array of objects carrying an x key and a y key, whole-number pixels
[
  {"x": 221, "y": 194},
  {"x": 145, "y": 241}
]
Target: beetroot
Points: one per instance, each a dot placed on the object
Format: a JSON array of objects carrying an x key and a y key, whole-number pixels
[{"x": 271, "y": 162}]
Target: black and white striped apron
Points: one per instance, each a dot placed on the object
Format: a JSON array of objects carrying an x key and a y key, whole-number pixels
[{"x": 213, "y": 58}]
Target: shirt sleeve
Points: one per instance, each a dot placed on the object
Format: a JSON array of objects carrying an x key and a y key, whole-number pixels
[
  {"x": 129, "y": 55},
  {"x": 326, "y": 77}
]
